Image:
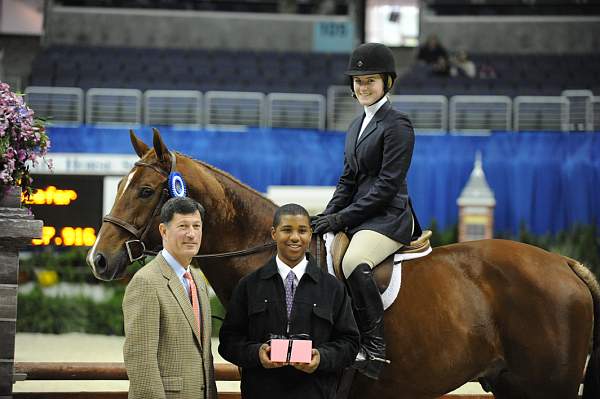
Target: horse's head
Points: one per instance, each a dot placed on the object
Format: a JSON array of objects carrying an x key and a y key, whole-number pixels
[{"x": 133, "y": 220}]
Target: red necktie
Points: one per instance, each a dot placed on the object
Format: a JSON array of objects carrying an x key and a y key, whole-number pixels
[{"x": 194, "y": 298}]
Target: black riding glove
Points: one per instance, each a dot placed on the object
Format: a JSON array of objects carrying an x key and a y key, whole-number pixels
[{"x": 328, "y": 223}]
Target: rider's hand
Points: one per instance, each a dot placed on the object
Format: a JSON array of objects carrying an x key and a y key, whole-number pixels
[{"x": 327, "y": 223}]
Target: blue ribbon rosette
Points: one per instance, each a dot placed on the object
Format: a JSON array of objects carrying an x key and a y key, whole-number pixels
[{"x": 177, "y": 187}]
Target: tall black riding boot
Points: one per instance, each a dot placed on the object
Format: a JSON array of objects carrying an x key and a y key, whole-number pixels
[{"x": 368, "y": 311}]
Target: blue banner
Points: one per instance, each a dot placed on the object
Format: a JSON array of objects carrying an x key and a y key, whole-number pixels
[{"x": 545, "y": 181}]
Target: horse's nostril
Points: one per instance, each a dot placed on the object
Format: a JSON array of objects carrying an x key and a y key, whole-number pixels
[{"x": 100, "y": 262}]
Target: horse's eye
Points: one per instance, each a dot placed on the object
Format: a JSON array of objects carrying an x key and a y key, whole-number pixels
[{"x": 146, "y": 192}]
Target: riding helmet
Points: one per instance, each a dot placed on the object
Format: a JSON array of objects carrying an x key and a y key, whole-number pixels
[{"x": 371, "y": 58}]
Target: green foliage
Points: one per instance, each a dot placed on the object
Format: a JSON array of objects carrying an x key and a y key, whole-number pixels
[
  {"x": 218, "y": 310},
  {"x": 40, "y": 313},
  {"x": 70, "y": 265},
  {"x": 55, "y": 315},
  {"x": 580, "y": 242},
  {"x": 442, "y": 237}
]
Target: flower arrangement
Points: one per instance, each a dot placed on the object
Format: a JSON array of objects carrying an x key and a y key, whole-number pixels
[{"x": 23, "y": 140}]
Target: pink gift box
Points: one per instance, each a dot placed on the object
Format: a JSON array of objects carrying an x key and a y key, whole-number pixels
[
  {"x": 294, "y": 351},
  {"x": 301, "y": 351},
  {"x": 279, "y": 350}
]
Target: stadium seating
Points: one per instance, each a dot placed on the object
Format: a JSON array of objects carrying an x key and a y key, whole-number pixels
[
  {"x": 267, "y": 72},
  {"x": 203, "y": 70},
  {"x": 515, "y": 75}
]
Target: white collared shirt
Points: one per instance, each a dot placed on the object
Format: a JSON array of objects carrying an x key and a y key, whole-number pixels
[
  {"x": 370, "y": 111},
  {"x": 298, "y": 270},
  {"x": 177, "y": 268}
]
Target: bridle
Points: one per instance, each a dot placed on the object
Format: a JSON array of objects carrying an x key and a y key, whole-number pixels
[{"x": 136, "y": 249}]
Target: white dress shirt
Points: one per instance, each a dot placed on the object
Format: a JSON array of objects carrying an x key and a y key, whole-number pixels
[
  {"x": 370, "y": 111},
  {"x": 177, "y": 268},
  {"x": 298, "y": 270}
]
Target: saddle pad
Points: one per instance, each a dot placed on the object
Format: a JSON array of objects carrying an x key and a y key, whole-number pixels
[{"x": 391, "y": 293}]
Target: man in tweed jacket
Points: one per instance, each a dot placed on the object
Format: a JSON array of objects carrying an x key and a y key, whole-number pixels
[{"x": 165, "y": 354}]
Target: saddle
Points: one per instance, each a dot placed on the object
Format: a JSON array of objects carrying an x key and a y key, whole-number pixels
[{"x": 383, "y": 271}]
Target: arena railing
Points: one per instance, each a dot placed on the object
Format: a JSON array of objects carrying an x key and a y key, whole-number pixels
[
  {"x": 25, "y": 371},
  {"x": 60, "y": 105},
  {"x": 341, "y": 108},
  {"x": 541, "y": 113},
  {"x": 239, "y": 110},
  {"x": 580, "y": 109},
  {"x": 287, "y": 110},
  {"x": 234, "y": 109},
  {"x": 480, "y": 114},
  {"x": 428, "y": 113},
  {"x": 114, "y": 107},
  {"x": 180, "y": 108},
  {"x": 596, "y": 114}
]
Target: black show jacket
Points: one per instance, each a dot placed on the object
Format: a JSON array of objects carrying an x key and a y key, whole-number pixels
[{"x": 372, "y": 193}]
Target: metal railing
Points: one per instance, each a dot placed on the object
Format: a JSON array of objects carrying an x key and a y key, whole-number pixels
[
  {"x": 60, "y": 105},
  {"x": 541, "y": 113},
  {"x": 234, "y": 109},
  {"x": 596, "y": 114},
  {"x": 303, "y": 111},
  {"x": 114, "y": 107},
  {"x": 576, "y": 110},
  {"x": 341, "y": 108},
  {"x": 480, "y": 114},
  {"x": 580, "y": 109},
  {"x": 173, "y": 108},
  {"x": 428, "y": 114}
]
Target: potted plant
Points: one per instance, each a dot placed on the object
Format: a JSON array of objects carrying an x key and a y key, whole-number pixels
[{"x": 23, "y": 141}]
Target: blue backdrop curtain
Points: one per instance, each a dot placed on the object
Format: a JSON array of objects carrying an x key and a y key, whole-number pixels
[{"x": 544, "y": 181}]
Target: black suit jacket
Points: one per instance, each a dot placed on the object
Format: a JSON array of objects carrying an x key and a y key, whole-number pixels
[
  {"x": 372, "y": 193},
  {"x": 321, "y": 309}
]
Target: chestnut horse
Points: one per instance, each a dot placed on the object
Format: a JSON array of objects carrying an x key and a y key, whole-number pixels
[{"x": 515, "y": 317}]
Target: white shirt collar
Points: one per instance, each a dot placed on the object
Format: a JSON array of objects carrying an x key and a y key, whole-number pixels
[
  {"x": 298, "y": 270},
  {"x": 371, "y": 110},
  {"x": 175, "y": 265}
]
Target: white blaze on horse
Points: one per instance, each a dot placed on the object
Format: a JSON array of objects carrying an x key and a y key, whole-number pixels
[{"x": 518, "y": 318}]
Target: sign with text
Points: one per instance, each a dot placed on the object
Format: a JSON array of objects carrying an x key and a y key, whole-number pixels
[
  {"x": 333, "y": 36},
  {"x": 69, "y": 206}
]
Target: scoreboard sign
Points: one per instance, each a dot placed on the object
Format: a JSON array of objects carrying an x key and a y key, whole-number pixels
[{"x": 70, "y": 207}]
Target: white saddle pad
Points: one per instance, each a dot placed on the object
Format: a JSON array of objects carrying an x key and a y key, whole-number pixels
[{"x": 391, "y": 293}]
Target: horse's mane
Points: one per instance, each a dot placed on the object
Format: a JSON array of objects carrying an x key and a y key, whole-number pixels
[{"x": 228, "y": 176}]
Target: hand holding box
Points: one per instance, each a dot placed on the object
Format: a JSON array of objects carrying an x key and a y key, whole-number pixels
[{"x": 291, "y": 350}]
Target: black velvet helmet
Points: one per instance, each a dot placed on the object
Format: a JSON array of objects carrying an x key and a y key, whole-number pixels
[{"x": 371, "y": 58}]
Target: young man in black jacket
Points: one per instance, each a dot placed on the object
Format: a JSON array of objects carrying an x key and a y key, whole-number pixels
[{"x": 318, "y": 307}]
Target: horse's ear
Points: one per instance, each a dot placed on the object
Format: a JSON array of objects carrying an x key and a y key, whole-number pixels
[
  {"x": 138, "y": 145},
  {"x": 162, "y": 152}
]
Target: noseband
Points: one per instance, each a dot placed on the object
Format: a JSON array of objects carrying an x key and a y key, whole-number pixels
[{"x": 136, "y": 249}]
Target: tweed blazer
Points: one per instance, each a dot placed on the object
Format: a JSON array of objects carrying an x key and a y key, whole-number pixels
[
  {"x": 165, "y": 354},
  {"x": 372, "y": 193}
]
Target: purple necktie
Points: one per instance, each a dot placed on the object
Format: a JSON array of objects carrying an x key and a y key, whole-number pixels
[{"x": 289, "y": 292}]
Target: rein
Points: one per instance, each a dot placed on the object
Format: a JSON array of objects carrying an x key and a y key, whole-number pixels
[
  {"x": 243, "y": 252},
  {"x": 136, "y": 249}
]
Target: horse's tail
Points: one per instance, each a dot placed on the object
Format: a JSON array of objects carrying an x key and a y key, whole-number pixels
[{"x": 591, "y": 383}]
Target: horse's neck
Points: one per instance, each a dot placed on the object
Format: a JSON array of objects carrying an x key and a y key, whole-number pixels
[{"x": 241, "y": 219}]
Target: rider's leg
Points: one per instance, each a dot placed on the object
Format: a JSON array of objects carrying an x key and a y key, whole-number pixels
[{"x": 367, "y": 249}]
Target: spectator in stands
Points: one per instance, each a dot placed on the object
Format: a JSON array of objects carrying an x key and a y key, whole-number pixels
[
  {"x": 461, "y": 65},
  {"x": 371, "y": 199},
  {"x": 433, "y": 54}
]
